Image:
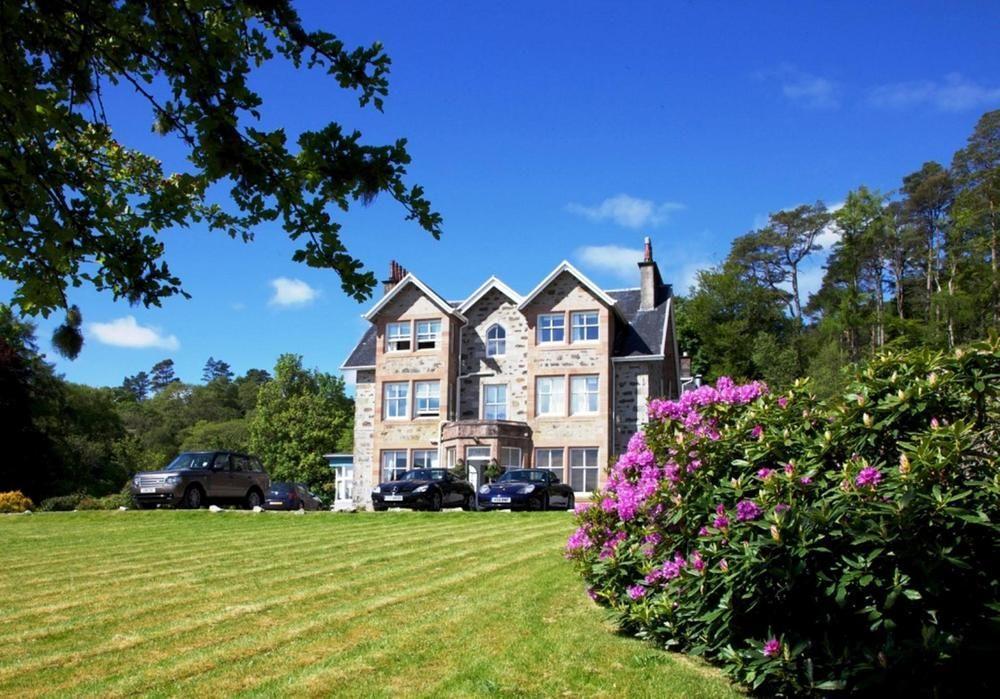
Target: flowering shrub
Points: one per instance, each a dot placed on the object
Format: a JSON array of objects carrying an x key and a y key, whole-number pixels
[
  {"x": 807, "y": 546},
  {"x": 14, "y": 501}
]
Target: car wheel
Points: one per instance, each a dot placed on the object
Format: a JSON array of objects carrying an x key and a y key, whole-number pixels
[
  {"x": 379, "y": 508},
  {"x": 254, "y": 499},
  {"x": 540, "y": 503},
  {"x": 571, "y": 502},
  {"x": 470, "y": 503},
  {"x": 193, "y": 497},
  {"x": 436, "y": 502}
]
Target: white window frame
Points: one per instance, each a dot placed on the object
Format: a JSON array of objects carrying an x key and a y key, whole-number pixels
[
  {"x": 546, "y": 324},
  {"x": 496, "y": 341},
  {"x": 396, "y": 469},
  {"x": 580, "y": 321},
  {"x": 428, "y": 456},
  {"x": 428, "y": 332},
  {"x": 591, "y": 397},
  {"x": 432, "y": 389},
  {"x": 586, "y": 467},
  {"x": 487, "y": 404},
  {"x": 450, "y": 460},
  {"x": 506, "y": 462},
  {"x": 396, "y": 407},
  {"x": 543, "y": 460},
  {"x": 394, "y": 336},
  {"x": 555, "y": 393}
]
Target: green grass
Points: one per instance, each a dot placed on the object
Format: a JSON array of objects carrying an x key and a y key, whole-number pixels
[{"x": 158, "y": 603}]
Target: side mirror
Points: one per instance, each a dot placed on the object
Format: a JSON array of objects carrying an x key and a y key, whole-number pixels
[{"x": 555, "y": 478}]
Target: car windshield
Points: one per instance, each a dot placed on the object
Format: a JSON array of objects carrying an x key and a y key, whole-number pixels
[
  {"x": 533, "y": 475},
  {"x": 424, "y": 474},
  {"x": 191, "y": 459}
]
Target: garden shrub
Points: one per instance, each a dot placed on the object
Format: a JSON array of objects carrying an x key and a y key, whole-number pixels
[
  {"x": 807, "y": 546},
  {"x": 15, "y": 501},
  {"x": 61, "y": 503}
]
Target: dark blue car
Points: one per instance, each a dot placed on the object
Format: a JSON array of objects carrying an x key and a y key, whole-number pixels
[{"x": 526, "y": 489}]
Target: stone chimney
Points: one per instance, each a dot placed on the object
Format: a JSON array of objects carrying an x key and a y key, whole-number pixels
[
  {"x": 396, "y": 274},
  {"x": 650, "y": 283}
]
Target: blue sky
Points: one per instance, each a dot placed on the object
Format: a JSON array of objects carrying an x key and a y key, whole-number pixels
[{"x": 551, "y": 131}]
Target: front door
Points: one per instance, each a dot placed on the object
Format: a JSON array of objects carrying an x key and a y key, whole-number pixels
[{"x": 476, "y": 458}]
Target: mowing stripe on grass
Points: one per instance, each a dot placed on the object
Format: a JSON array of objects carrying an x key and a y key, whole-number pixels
[{"x": 415, "y": 604}]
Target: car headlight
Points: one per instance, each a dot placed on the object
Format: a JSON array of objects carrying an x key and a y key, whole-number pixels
[
  {"x": 527, "y": 489},
  {"x": 421, "y": 489},
  {"x": 172, "y": 480},
  {"x": 377, "y": 490},
  {"x": 484, "y": 489},
  {"x": 135, "y": 481}
]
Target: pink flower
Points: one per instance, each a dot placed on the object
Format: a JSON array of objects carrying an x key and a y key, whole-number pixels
[
  {"x": 806, "y": 480},
  {"x": 934, "y": 423},
  {"x": 720, "y": 509},
  {"x": 580, "y": 539},
  {"x": 772, "y": 648},
  {"x": 720, "y": 522},
  {"x": 781, "y": 507},
  {"x": 724, "y": 565},
  {"x": 783, "y": 402},
  {"x": 636, "y": 592},
  {"x": 789, "y": 468},
  {"x": 765, "y": 473},
  {"x": 697, "y": 562},
  {"x": 703, "y": 531},
  {"x": 868, "y": 477},
  {"x": 757, "y": 432},
  {"x": 747, "y": 510},
  {"x": 608, "y": 505}
]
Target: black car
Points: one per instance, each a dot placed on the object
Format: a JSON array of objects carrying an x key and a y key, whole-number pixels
[
  {"x": 426, "y": 489},
  {"x": 526, "y": 488},
  {"x": 291, "y": 496}
]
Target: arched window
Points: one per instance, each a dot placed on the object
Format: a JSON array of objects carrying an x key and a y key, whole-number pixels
[{"x": 496, "y": 341}]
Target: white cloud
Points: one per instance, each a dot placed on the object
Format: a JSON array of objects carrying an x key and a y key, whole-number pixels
[
  {"x": 805, "y": 89},
  {"x": 126, "y": 332},
  {"x": 955, "y": 94},
  {"x": 291, "y": 292},
  {"x": 627, "y": 211},
  {"x": 613, "y": 259}
]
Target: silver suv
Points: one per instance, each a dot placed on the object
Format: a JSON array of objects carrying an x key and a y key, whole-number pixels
[{"x": 194, "y": 478}]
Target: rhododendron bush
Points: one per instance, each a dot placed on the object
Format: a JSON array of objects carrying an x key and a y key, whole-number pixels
[{"x": 808, "y": 546}]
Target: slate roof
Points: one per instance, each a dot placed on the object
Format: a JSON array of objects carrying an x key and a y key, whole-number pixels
[
  {"x": 642, "y": 332},
  {"x": 640, "y": 335}
]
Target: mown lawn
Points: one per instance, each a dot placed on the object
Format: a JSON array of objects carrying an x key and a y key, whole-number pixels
[{"x": 450, "y": 604}]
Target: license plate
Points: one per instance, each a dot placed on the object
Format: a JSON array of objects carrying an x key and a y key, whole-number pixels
[
  {"x": 147, "y": 490},
  {"x": 500, "y": 500},
  {"x": 275, "y": 502},
  {"x": 393, "y": 498}
]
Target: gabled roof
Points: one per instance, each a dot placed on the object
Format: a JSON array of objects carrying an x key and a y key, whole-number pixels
[
  {"x": 565, "y": 266},
  {"x": 430, "y": 293},
  {"x": 491, "y": 283}
]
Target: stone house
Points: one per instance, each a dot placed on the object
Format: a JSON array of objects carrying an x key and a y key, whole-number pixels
[{"x": 558, "y": 378}]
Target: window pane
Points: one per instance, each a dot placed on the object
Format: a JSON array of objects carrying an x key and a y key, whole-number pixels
[
  {"x": 477, "y": 453},
  {"x": 583, "y": 469},
  {"x": 427, "y": 398},
  {"x": 583, "y": 394},
  {"x": 495, "y": 402},
  {"x": 393, "y": 465},
  {"x": 585, "y": 326},
  {"x": 428, "y": 332},
  {"x": 397, "y": 337},
  {"x": 510, "y": 457},
  {"x": 550, "y": 395},
  {"x": 395, "y": 399},
  {"x": 552, "y": 328},
  {"x": 425, "y": 458},
  {"x": 496, "y": 341},
  {"x": 550, "y": 460}
]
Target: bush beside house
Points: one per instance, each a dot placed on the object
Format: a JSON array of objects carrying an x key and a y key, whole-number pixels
[{"x": 805, "y": 546}]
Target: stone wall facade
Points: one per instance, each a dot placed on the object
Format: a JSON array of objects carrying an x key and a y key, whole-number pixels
[{"x": 460, "y": 364}]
